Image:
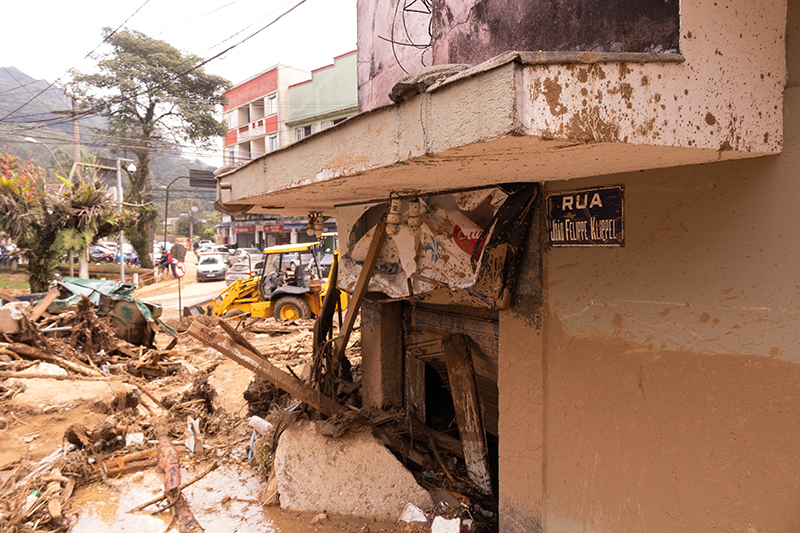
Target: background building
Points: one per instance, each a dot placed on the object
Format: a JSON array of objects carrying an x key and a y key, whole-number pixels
[
  {"x": 256, "y": 114},
  {"x": 272, "y": 110},
  {"x": 329, "y": 97}
]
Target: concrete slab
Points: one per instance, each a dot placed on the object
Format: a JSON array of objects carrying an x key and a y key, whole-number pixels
[
  {"x": 44, "y": 395},
  {"x": 354, "y": 475}
]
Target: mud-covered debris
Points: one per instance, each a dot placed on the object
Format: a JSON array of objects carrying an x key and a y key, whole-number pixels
[
  {"x": 341, "y": 423},
  {"x": 107, "y": 429},
  {"x": 261, "y": 395}
]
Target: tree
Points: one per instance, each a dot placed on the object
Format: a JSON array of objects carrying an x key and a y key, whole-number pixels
[
  {"x": 155, "y": 99},
  {"x": 182, "y": 227},
  {"x": 43, "y": 224}
]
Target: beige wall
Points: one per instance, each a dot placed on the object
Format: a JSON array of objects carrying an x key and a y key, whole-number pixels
[
  {"x": 669, "y": 368},
  {"x": 520, "y": 381}
]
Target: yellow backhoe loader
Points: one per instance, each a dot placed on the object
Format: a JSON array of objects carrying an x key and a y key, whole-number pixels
[{"x": 288, "y": 286}]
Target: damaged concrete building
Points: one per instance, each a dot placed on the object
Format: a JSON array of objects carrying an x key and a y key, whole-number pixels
[{"x": 592, "y": 205}]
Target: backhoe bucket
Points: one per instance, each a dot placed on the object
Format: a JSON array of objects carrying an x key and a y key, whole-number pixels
[{"x": 197, "y": 309}]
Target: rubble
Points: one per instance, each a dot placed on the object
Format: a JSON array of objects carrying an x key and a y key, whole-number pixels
[
  {"x": 82, "y": 404},
  {"x": 353, "y": 475}
]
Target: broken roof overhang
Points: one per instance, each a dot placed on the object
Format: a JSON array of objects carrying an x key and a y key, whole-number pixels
[{"x": 520, "y": 117}]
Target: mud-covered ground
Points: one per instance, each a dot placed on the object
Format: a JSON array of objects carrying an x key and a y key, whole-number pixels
[{"x": 38, "y": 414}]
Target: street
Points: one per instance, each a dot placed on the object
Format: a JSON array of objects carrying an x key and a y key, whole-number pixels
[{"x": 165, "y": 292}]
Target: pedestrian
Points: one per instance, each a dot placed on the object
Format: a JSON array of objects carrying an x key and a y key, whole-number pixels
[
  {"x": 171, "y": 261},
  {"x": 164, "y": 263}
]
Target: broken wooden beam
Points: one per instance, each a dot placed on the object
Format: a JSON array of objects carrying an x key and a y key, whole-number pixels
[
  {"x": 263, "y": 368},
  {"x": 195, "y": 479},
  {"x": 42, "y": 306},
  {"x": 28, "y": 351},
  {"x": 361, "y": 289},
  {"x": 468, "y": 410},
  {"x": 168, "y": 462}
]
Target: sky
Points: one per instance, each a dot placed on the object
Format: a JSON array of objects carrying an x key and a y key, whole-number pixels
[
  {"x": 58, "y": 34},
  {"x": 50, "y": 37}
]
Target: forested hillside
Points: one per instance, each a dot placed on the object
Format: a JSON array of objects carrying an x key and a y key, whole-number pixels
[{"x": 37, "y": 120}]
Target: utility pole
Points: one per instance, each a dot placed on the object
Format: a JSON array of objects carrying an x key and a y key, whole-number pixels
[
  {"x": 191, "y": 219},
  {"x": 76, "y": 133}
]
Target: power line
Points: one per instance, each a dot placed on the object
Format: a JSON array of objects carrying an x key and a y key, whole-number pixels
[
  {"x": 73, "y": 68},
  {"x": 206, "y": 61},
  {"x": 129, "y": 98}
]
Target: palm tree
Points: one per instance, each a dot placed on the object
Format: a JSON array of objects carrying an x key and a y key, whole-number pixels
[
  {"x": 87, "y": 212},
  {"x": 43, "y": 224}
]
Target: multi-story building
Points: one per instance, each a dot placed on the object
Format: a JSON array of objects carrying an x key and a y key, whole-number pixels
[
  {"x": 256, "y": 114},
  {"x": 328, "y": 98},
  {"x": 273, "y": 110}
]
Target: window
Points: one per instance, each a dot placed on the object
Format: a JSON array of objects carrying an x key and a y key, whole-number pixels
[
  {"x": 303, "y": 132},
  {"x": 211, "y": 260},
  {"x": 271, "y": 105},
  {"x": 327, "y": 124},
  {"x": 231, "y": 156},
  {"x": 272, "y": 143},
  {"x": 231, "y": 121}
]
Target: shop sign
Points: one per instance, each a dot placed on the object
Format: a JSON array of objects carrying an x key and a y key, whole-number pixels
[
  {"x": 589, "y": 217},
  {"x": 245, "y": 229},
  {"x": 273, "y": 228}
]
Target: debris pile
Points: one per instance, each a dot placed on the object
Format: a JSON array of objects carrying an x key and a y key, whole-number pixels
[{"x": 160, "y": 410}]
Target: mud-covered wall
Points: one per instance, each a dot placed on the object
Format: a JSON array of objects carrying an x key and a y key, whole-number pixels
[
  {"x": 670, "y": 366},
  {"x": 668, "y": 396},
  {"x": 476, "y": 30},
  {"x": 520, "y": 380}
]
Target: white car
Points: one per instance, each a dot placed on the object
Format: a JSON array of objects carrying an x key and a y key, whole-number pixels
[
  {"x": 242, "y": 270},
  {"x": 210, "y": 267},
  {"x": 254, "y": 255},
  {"x": 217, "y": 249}
]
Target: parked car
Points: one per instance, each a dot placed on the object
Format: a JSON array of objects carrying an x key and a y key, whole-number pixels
[
  {"x": 158, "y": 247},
  {"x": 211, "y": 266},
  {"x": 325, "y": 264},
  {"x": 131, "y": 257},
  {"x": 100, "y": 254},
  {"x": 216, "y": 249},
  {"x": 9, "y": 257},
  {"x": 242, "y": 254},
  {"x": 242, "y": 270}
]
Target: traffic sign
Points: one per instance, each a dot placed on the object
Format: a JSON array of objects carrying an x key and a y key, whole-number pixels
[
  {"x": 180, "y": 269},
  {"x": 178, "y": 251}
]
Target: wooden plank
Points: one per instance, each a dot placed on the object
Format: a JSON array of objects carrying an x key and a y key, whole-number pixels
[
  {"x": 414, "y": 383},
  {"x": 42, "y": 306},
  {"x": 238, "y": 338},
  {"x": 361, "y": 288},
  {"x": 468, "y": 410},
  {"x": 7, "y": 297},
  {"x": 263, "y": 368}
]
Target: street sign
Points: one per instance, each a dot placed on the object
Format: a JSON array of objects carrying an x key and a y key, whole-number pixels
[
  {"x": 180, "y": 269},
  {"x": 202, "y": 179},
  {"x": 589, "y": 217},
  {"x": 178, "y": 251}
]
